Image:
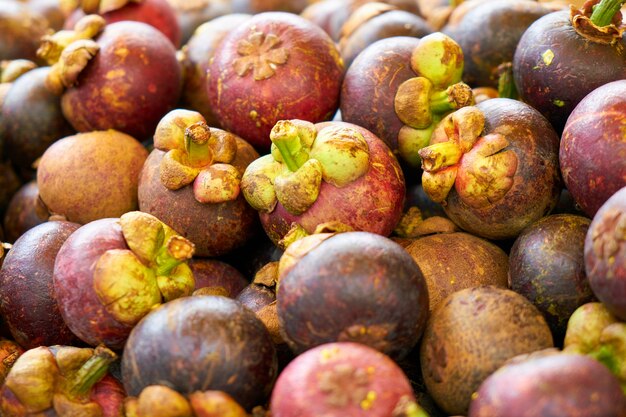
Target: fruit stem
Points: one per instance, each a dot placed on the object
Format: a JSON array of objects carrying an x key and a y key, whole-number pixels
[
  {"x": 440, "y": 155},
  {"x": 286, "y": 137},
  {"x": 197, "y": 137},
  {"x": 604, "y": 11},
  {"x": 176, "y": 250},
  {"x": 92, "y": 371},
  {"x": 506, "y": 85}
]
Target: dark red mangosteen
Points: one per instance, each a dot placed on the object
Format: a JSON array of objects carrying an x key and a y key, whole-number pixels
[{"x": 24, "y": 212}]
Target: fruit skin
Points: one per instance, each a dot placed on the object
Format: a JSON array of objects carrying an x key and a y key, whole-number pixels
[
  {"x": 593, "y": 150},
  {"x": 27, "y": 300},
  {"x": 605, "y": 254},
  {"x": 536, "y": 182},
  {"x": 20, "y": 30},
  {"x": 371, "y": 203},
  {"x": 453, "y": 261},
  {"x": 354, "y": 287},
  {"x": 304, "y": 83},
  {"x": 554, "y": 82},
  {"x": 202, "y": 342},
  {"x": 340, "y": 379},
  {"x": 92, "y": 175},
  {"x": 133, "y": 80},
  {"x": 373, "y": 80},
  {"x": 547, "y": 267},
  {"x": 568, "y": 385},
  {"x": 217, "y": 276},
  {"x": 31, "y": 118},
  {"x": 471, "y": 334},
  {"x": 157, "y": 13},
  {"x": 215, "y": 228},
  {"x": 24, "y": 212}
]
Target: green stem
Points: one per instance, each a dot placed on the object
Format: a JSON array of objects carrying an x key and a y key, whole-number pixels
[
  {"x": 91, "y": 372},
  {"x": 175, "y": 251},
  {"x": 452, "y": 98},
  {"x": 440, "y": 155},
  {"x": 604, "y": 12},
  {"x": 197, "y": 137},
  {"x": 506, "y": 84},
  {"x": 289, "y": 160}
]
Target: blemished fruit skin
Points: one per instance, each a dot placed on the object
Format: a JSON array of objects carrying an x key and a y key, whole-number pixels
[
  {"x": 340, "y": 379},
  {"x": 566, "y": 384},
  {"x": 275, "y": 66},
  {"x": 593, "y": 149}
]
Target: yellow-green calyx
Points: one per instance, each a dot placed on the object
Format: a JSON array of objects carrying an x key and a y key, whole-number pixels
[
  {"x": 300, "y": 159},
  {"x": 196, "y": 154},
  {"x": 131, "y": 282},
  {"x": 11, "y": 70},
  {"x": 422, "y": 101},
  {"x": 69, "y": 51},
  {"x": 94, "y": 6},
  {"x": 479, "y": 167},
  {"x": 59, "y": 378}
]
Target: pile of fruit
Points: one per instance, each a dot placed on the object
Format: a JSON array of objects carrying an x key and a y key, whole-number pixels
[{"x": 300, "y": 208}]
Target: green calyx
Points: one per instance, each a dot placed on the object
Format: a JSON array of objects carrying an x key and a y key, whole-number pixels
[
  {"x": 300, "y": 159},
  {"x": 196, "y": 155},
  {"x": 599, "y": 21},
  {"x": 131, "y": 282},
  {"x": 605, "y": 11},
  {"x": 478, "y": 167}
]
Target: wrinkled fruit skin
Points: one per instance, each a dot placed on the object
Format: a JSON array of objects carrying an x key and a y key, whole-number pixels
[
  {"x": 31, "y": 118},
  {"x": 471, "y": 334},
  {"x": 133, "y": 80},
  {"x": 593, "y": 144},
  {"x": 215, "y": 228},
  {"x": 489, "y": 35},
  {"x": 236, "y": 351},
  {"x": 91, "y": 175},
  {"x": 250, "y": 108},
  {"x": 354, "y": 287},
  {"x": 20, "y": 30},
  {"x": 27, "y": 300},
  {"x": 536, "y": 184},
  {"x": 24, "y": 212},
  {"x": 73, "y": 283},
  {"x": 605, "y": 254},
  {"x": 370, "y": 85},
  {"x": 340, "y": 379},
  {"x": 555, "y": 82},
  {"x": 157, "y": 13},
  {"x": 575, "y": 385},
  {"x": 371, "y": 203},
  {"x": 453, "y": 261},
  {"x": 547, "y": 267}
]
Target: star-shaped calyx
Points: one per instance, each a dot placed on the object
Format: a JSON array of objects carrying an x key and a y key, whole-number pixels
[
  {"x": 69, "y": 51},
  {"x": 260, "y": 53},
  {"x": 131, "y": 282},
  {"x": 196, "y": 154},
  {"x": 300, "y": 159},
  {"x": 479, "y": 167},
  {"x": 422, "y": 101}
]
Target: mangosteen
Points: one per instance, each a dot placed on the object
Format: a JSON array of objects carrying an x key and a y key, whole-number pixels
[
  {"x": 20, "y": 31},
  {"x": 204, "y": 342},
  {"x": 111, "y": 272},
  {"x": 24, "y": 212},
  {"x": 605, "y": 254},
  {"x": 60, "y": 381},
  {"x": 343, "y": 379},
  {"x": 569, "y": 385},
  {"x": 374, "y": 21},
  {"x": 27, "y": 300},
  {"x": 399, "y": 88},
  {"x": 9, "y": 184},
  {"x": 91, "y": 176},
  {"x": 593, "y": 149},
  {"x": 124, "y": 76},
  {"x": 494, "y": 167},
  {"x": 547, "y": 266},
  {"x": 565, "y": 55},
  {"x": 274, "y": 66},
  {"x": 371, "y": 290},
  {"x": 260, "y": 6},
  {"x": 214, "y": 277},
  {"x": 326, "y": 172},
  {"x": 193, "y": 14},
  {"x": 470, "y": 335},
  {"x": 192, "y": 181}
]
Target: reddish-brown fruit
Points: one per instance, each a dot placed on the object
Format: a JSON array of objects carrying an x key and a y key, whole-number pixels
[
  {"x": 340, "y": 379},
  {"x": 133, "y": 80},
  {"x": 24, "y": 212},
  {"x": 27, "y": 300},
  {"x": 275, "y": 66},
  {"x": 260, "y": 6},
  {"x": 593, "y": 149},
  {"x": 91, "y": 175},
  {"x": 191, "y": 15},
  {"x": 203, "y": 343},
  {"x": 216, "y": 277},
  {"x": 20, "y": 30},
  {"x": 9, "y": 184}
]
